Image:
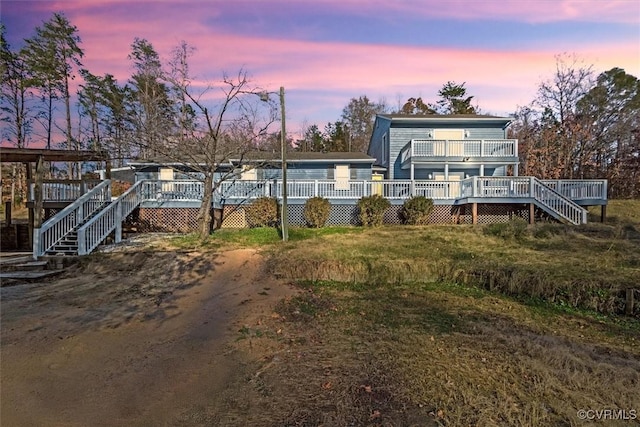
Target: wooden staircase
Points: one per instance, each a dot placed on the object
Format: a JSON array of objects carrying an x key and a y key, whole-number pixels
[
  {"x": 68, "y": 245},
  {"x": 83, "y": 225}
]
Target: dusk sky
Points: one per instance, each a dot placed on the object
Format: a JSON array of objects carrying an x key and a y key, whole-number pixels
[{"x": 325, "y": 52}]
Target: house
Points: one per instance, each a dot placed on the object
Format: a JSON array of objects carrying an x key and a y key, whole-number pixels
[
  {"x": 464, "y": 163},
  {"x": 468, "y": 163},
  {"x": 171, "y": 193},
  {"x": 442, "y": 147}
]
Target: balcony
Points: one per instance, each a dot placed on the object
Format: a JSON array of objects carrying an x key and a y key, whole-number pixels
[{"x": 468, "y": 150}]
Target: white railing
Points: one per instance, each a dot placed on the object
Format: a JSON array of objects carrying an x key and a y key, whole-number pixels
[
  {"x": 91, "y": 234},
  {"x": 579, "y": 189},
  {"x": 490, "y": 186},
  {"x": 486, "y": 148},
  {"x": 56, "y": 227},
  {"x": 546, "y": 197},
  {"x": 62, "y": 190},
  {"x": 240, "y": 190},
  {"x": 171, "y": 190},
  {"x": 557, "y": 203}
]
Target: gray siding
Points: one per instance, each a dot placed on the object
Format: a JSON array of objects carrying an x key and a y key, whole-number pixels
[
  {"x": 376, "y": 150},
  {"x": 321, "y": 171},
  {"x": 401, "y": 135}
]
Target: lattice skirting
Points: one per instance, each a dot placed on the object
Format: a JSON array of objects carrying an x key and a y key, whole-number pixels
[
  {"x": 171, "y": 220},
  {"x": 185, "y": 219}
]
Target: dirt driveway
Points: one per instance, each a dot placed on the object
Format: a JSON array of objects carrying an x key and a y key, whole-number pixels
[{"x": 140, "y": 338}]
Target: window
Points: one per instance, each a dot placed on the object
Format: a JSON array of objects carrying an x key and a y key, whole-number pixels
[{"x": 383, "y": 157}]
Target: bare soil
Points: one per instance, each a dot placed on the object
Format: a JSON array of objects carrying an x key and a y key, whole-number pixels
[{"x": 136, "y": 337}]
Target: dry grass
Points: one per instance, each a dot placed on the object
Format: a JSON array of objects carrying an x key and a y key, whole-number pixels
[
  {"x": 449, "y": 326},
  {"x": 588, "y": 267},
  {"x": 452, "y": 326},
  {"x": 428, "y": 354}
]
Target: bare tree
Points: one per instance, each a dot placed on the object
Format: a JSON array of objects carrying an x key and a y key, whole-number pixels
[
  {"x": 230, "y": 127},
  {"x": 558, "y": 98}
]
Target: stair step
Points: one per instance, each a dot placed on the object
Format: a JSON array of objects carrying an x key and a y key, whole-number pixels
[
  {"x": 11, "y": 277},
  {"x": 9, "y": 260},
  {"x": 31, "y": 266},
  {"x": 62, "y": 253}
]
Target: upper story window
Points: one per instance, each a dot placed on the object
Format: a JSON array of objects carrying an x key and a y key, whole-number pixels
[{"x": 383, "y": 156}]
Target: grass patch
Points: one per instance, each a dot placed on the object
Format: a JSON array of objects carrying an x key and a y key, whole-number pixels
[
  {"x": 442, "y": 354},
  {"x": 265, "y": 237},
  {"x": 587, "y": 267}
]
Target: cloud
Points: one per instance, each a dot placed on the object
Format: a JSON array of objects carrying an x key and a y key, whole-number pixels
[{"x": 321, "y": 76}]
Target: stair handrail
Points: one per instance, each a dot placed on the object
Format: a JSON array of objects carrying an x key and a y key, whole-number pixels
[
  {"x": 91, "y": 234},
  {"x": 556, "y": 203},
  {"x": 59, "y": 225}
]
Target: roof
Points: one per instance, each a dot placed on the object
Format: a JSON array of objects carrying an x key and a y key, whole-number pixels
[
  {"x": 267, "y": 156},
  {"x": 308, "y": 157},
  {"x": 440, "y": 118},
  {"x": 31, "y": 155}
]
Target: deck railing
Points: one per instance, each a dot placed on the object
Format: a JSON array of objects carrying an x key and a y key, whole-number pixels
[
  {"x": 58, "y": 226},
  {"x": 477, "y": 187},
  {"x": 489, "y": 148},
  {"x": 54, "y": 190},
  {"x": 557, "y": 204},
  {"x": 91, "y": 234},
  {"x": 579, "y": 189}
]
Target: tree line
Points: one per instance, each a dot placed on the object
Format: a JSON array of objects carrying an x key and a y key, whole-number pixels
[{"x": 578, "y": 126}]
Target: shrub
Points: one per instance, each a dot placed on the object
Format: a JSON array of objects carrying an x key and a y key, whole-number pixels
[
  {"x": 514, "y": 229},
  {"x": 263, "y": 212},
  {"x": 416, "y": 210},
  {"x": 371, "y": 210},
  {"x": 316, "y": 211}
]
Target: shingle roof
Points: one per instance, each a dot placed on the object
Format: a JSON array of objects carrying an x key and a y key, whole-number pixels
[
  {"x": 308, "y": 156},
  {"x": 267, "y": 156},
  {"x": 441, "y": 116}
]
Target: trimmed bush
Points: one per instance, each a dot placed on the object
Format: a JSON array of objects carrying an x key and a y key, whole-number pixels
[
  {"x": 316, "y": 211},
  {"x": 371, "y": 210},
  {"x": 263, "y": 212},
  {"x": 416, "y": 210}
]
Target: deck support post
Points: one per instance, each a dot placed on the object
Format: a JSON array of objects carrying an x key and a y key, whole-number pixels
[
  {"x": 7, "y": 212},
  {"x": 38, "y": 196},
  {"x": 532, "y": 213},
  {"x": 35, "y": 217},
  {"x": 603, "y": 213},
  {"x": 474, "y": 213}
]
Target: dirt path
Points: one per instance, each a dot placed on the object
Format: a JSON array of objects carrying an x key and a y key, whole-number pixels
[{"x": 132, "y": 339}]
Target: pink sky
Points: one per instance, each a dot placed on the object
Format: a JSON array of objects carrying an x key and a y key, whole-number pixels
[{"x": 326, "y": 52}]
